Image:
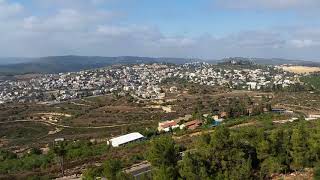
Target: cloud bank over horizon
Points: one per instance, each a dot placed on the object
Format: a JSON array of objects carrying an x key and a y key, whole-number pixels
[{"x": 110, "y": 28}]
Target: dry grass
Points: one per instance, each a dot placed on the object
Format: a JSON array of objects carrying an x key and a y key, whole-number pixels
[{"x": 300, "y": 69}]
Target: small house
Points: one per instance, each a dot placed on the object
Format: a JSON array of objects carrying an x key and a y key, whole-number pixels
[
  {"x": 167, "y": 125},
  {"x": 193, "y": 124}
]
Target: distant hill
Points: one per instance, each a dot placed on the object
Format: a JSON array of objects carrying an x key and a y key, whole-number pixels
[
  {"x": 279, "y": 61},
  {"x": 266, "y": 61},
  {"x": 13, "y": 60},
  {"x": 56, "y": 64},
  {"x": 237, "y": 61}
]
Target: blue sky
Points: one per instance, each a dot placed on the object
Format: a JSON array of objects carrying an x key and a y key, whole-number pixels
[{"x": 208, "y": 29}]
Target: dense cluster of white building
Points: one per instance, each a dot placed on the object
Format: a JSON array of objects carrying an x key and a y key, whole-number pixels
[
  {"x": 142, "y": 81},
  {"x": 240, "y": 78}
]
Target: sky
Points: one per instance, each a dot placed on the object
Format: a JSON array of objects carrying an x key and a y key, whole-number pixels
[{"x": 209, "y": 29}]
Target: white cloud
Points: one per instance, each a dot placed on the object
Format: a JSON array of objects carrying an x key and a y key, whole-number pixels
[
  {"x": 298, "y": 43},
  {"x": 74, "y": 4},
  {"x": 179, "y": 42},
  {"x": 66, "y": 20},
  {"x": 111, "y": 30},
  {"x": 76, "y": 29},
  {"x": 133, "y": 32},
  {"x": 256, "y": 39}
]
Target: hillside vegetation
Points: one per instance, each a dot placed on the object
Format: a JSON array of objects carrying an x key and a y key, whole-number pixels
[
  {"x": 312, "y": 80},
  {"x": 243, "y": 153}
]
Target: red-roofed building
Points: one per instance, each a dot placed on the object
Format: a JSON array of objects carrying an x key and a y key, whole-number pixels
[
  {"x": 166, "y": 125},
  {"x": 193, "y": 124}
]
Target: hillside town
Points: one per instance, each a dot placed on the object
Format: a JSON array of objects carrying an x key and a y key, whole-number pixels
[
  {"x": 159, "y": 90},
  {"x": 142, "y": 81}
]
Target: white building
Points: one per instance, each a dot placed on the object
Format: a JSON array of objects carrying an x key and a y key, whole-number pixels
[
  {"x": 125, "y": 139},
  {"x": 252, "y": 85}
]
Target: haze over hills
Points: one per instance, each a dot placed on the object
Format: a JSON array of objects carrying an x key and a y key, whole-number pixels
[
  {"x": 56, "y": 64},
  {"x": 14, "y": 60},
  {"x": 272, "y": 61}
]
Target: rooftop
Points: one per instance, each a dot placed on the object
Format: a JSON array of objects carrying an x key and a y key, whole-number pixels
[
  {"x": 168, "y": 124},
  {"x": 125, "y": 139}
]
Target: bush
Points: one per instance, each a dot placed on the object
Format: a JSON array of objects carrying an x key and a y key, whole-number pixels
[
  {"x": 92, "y": 173},
  {"x": 316, "y": 175}
]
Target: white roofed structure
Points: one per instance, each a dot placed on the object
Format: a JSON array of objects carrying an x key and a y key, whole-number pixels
[{"x": 125, "y": 139}]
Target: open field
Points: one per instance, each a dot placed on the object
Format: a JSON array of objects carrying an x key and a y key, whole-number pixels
[
  {"x": 16, "y": 135},
  {"x": 107, "y": 116},
  {"x": 312, "y": 80},
  {"x": 301, "y": 69},
  {"x": 24, "y": 126},
  {"x": 305, "y": 102}
]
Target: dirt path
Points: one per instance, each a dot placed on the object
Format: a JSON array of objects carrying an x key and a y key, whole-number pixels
[
  {"x": 78, "y": 104},
  {"x": 77, "y": 127},
  {"x": 193, "y": 134},
  {"x": 243, "y": 125},
  {"x": 299, "y": 106},
  {"x": 232, "y": 93},
  {"x": 212, "y": 130}
]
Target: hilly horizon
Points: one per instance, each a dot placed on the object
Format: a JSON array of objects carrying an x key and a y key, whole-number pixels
[
  {"x": 57, "y": 64},
  {"x": 69, "y": 63}
]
